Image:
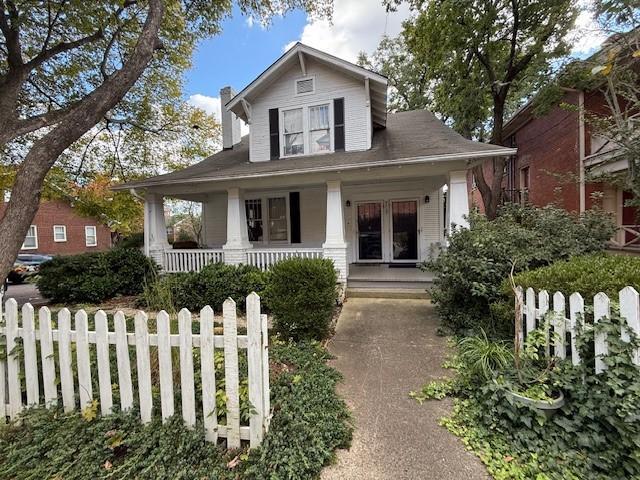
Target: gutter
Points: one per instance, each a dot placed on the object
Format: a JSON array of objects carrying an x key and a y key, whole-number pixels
[{"x": 502, "y": 152}]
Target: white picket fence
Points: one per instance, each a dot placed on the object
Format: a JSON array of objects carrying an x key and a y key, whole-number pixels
[
  {"x": 565, "y": 321},
  {"x": 255, "y": 343}
]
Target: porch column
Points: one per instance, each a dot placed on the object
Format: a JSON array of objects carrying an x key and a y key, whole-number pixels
[
  {"x": 235, "y": 250},
  {"x": 155, "y": 228},
  {"x": 335, "y": 246},
  {"x": 457, "y": 201}
]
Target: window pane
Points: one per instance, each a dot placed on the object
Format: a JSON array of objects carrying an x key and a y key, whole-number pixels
[
  {"x": 59, "y": 233},
  {"x": 320, "y": 141},
  {"x": 30, "y": 240},
  {"x": 292, "y": 121},
  {"x": 319, "y": 117},
  {"x": 254, "y": 220},
  {"x": 294, "y": 144},
  {"x": 90, "y": 236},
  {"x": 278, "y": 219}
]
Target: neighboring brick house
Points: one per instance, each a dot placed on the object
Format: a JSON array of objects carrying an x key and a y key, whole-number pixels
[
  {"x": 557, "y": 154},
  {"x": 57, "y": 229}
]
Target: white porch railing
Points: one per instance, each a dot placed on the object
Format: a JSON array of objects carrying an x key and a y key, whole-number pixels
[
  {"x": 629, "y": 237},
  {"x": 190, "y": 260},
  {"x": 264, "y": 258}
]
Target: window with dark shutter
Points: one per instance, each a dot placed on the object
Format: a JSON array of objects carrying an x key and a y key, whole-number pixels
[
  {"x": 338, "y": 121},
  {"x": 274, "y": 134},
  {"x": 294, "y": 211}
]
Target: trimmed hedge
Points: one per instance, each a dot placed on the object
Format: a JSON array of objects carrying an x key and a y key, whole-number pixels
[
  {"x": 95, "y": 277},
  {"x": 586, "y": 274},
  {"x": 302, "y": 295},
  {"x": 211, "y": 286}
]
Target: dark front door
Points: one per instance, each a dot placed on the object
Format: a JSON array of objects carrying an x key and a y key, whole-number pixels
[
  {"x": 370, "y": 231},
  {"x": 404, "y": 218}
]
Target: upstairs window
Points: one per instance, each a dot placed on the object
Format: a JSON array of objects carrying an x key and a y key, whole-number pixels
[
  {"x": 90, "y": 236},
  {"x": 59, "y": 233},
  {"x": 31, "y": 240},
  {"x": 319, "y": 139},
  {"x": 293, "y": 132}
]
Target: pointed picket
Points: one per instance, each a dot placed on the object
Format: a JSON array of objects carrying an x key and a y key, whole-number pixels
[
  {"x": 265, "y": 371},
  {"x": 559, "y": 325},
  {"x": 576, "y": 315},
  {"x": 254, "y": 361},
  {"x": 84, "y": 360},
  {"x": 30, "y": 355},
  {"x": 231, "y": 373},
  {"x": 208, "y": 373},
  {"x": 601, "y": 309},
  {"x": 104, "y": 368},
  {"x": 543, "y": 308},
  {"x": 64, "y": 357},
  {"x": 630, "y": 310},
  {"x": 13, "y": 358},
  {"x": 143, "y": 361},
  {"x": 186, "y": 368},
  {"x": 163, "y": 327},
  {"x": 47, "y": 358},
  {"x": 122, "y": 358}
]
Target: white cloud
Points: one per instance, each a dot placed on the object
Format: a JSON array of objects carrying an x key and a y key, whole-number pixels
[
  {"x": 587, "y": 36},
  {"x": 249, "y": 21},
  {"x": 358, "y": 25},
  {"x": 212, "y": 106}
]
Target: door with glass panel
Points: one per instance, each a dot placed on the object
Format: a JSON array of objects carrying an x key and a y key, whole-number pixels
[
  {"x": 404, "y": 230},
  {"x": 369, "y": 224}
]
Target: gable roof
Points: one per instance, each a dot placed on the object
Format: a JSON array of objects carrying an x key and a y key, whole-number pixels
[
  {"x": 410, "y": 137},
  {"x": 296, "y": 55}
]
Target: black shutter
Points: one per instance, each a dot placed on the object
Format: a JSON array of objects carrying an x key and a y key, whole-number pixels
[
  {"x": 294, "y": 211},
  {"x": 274, "y": 134},
  {"x": 338, "y": 124}
]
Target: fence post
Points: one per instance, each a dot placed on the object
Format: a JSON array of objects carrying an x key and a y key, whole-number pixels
[
  {"x": 208, "y": 373},
  {"x": 231, "y": 373},
  {"x": 13, "y": 362},
  {"x": 630, "y": 310},
  {"x": 601, "y": 309},
  {"x": 254, "y": 360},
  {"x": 187, "y": 389},
  {"x": 576, "y": 314}
]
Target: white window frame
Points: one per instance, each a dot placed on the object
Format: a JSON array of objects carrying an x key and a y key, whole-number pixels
[
  {"x": 95, "y": 236},
  {"x": 300, "y": 79},
  {"x": 264, "y": 200},
  {"x": 35, "y": 237},
  {"x": 64, "y": 233},
  {"x": 306, "y": 130}
]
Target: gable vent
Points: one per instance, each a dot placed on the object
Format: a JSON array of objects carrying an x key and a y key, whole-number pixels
[{"x": 304, "y": 86}]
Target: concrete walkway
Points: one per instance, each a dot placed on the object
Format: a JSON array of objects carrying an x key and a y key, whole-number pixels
[{"x": 386, "y": 348}]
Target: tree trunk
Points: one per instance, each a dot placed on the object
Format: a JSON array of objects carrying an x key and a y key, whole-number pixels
[{"x": 27, "y": 188}]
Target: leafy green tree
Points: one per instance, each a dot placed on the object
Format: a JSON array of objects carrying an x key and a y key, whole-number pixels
[
  {"x": 68, "y": 65},
  {"x": 480, "y": 58}
]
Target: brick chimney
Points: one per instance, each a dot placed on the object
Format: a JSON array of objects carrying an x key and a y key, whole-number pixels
[{"x": 230, "y": 122}]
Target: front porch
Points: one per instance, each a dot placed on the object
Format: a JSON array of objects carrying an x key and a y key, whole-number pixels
[{"x": 367, "y": 228}]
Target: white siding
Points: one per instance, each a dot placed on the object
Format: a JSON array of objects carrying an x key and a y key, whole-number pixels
[
  {"x": 329, "y": 84},
  {"x": 214, "y": 215}
]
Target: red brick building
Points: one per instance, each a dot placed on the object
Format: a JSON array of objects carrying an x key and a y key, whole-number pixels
[
  {"x": 557, "y": 155},
  {"x": 58, "y": 230}
]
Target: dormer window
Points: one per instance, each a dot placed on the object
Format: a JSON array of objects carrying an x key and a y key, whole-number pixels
[
  {"x": 306, "y": 130},
  {"x": 304, "y": 86}
]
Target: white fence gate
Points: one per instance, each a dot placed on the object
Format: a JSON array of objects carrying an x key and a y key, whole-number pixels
[
  {"x": 563, "y": 321},
  {"x": 15, "y": 359}
]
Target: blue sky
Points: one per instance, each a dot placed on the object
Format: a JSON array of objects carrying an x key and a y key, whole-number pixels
[{"x": 243, "y": 49}]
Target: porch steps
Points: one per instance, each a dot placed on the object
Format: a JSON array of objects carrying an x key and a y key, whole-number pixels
[
  {"x": 381, "y": 281},
  {"x": 395, "y": 293}
]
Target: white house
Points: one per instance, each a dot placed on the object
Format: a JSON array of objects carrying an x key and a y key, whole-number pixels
[{"x": 325, "y": 171}]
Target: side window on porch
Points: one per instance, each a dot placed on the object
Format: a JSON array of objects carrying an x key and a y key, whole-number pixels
[
  {"x": 278, "y": 228},
  {"x": 254, "y": 220}
]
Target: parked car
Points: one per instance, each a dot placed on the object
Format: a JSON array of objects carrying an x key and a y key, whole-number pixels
[{"x": 25, "y": 266}]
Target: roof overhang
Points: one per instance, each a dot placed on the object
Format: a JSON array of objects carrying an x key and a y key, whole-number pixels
[{"x": 297, "y": 55}]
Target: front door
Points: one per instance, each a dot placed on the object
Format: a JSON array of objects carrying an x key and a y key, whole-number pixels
[
  {"x": 404, "y": 230},
  {"x": 369, "y": 231}
]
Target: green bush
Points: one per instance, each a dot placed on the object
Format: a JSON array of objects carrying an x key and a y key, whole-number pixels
[
  {"x": 302, "y": 295},
  {"x": 309, "y": 422},
  {"x": 586, "y": 274},
  {"x": 95, "y": 277},
  {"x": 211, "y": 286},
  {"x": 471, "y": 271}
]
